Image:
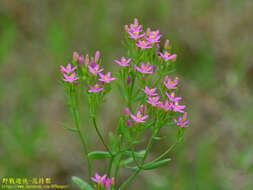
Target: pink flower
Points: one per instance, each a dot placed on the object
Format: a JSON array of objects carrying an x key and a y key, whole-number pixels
[
  {"x": 145, "y": 69},
  {"x": 182, "y": 122},
  {"x": 139, "y": 118},
  {"x": 167, "y": 106},
  {"x": 150, "y": 92},
  {"x": 70, "y": 78},
  {"x": 123, "y": 62},
  {"x": 153, "y": 100},
  {"x": 177, "y": 108},
  {"x": 106, "y": 78},
  {"x": 170, "y": 84},
  {"x": 166, "y": 56},
  {"x": 67, "y": 69},
  {"x": 95, "y": 70},
  {"x": 95, "y": 88},
  {"x": 98, "y": 179},
  {"x": 172, "y": 97},
  {"x": 103, "y": 181},
  {"x": 153, "y": 37},
  {"x": 143, "y": 44}
]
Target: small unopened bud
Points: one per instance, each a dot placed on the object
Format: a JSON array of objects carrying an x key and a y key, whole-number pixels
[
  {"x": 166, "y": 78},
  {"x": 97, "y": 55},
  {"x": 142, "y": 109},
  {"x": 184, "y": 116},
  {"x": 136, "y": 21},
  {"x": 148, "y": 30},
  {"x": 80, "y": 60},
  {"x": 87, "y": 59},
  {"x": 127, "y": 111},
  {"x": 75, "y": 56},
  {"x": 158, "y": 49},
  {"x": 129, "y": 123},
  {"x": 160, "y": 105},
  {"x": 112, "y": 180},
  {"x": 76, "y": 83},
  {"x": 93, "y": 63},
  {"x": 128, "y": 80},
  {"x": 154, "y": 68},
  {"x": 166, "y": 44},
  {"x": 126, "y": 28}
]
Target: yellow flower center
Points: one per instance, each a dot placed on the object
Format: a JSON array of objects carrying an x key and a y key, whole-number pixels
[
  {"x": 96, "y": 86},
  {"x": 135, "y": 33},
  {"x": 167, "y": 53},
  {"x": 106, "y": 78},
  {"x": 172, "y": 95},
  {"x": 139, "y": 116}
]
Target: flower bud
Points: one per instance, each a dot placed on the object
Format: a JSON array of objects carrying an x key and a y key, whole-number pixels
[
  {"x": 184, "y": 116},
  {"x": 80, "y": 60},
  {"x": 142, "y": 109},
  {"x": 154, "y": 68},
  {"x": 75, "y": 56},
  {"x": 126, "y": 28},
  {"x": 128, "y": 80},
  {"x": 129, "y": 123},
  {"x": 136, "y": 21},
  {"x": 97, "y": 55},
  {"x": 166, "y": 78},
  {"x": 93, "y": 63},
  {"x": 148, "y": 31},
  {"x": 157, "y": 48},
  {"x": 127, "y": 111},
  {"x": 166, "y": 44},
  {"x": 87, "y": 59}
]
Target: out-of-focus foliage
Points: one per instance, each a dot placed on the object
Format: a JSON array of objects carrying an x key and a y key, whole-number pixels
[{"x": 213, "y": 40}]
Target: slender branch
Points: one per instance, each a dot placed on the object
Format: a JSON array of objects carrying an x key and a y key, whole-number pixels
[
  {"x": 165, "y": 153},
  {"x": 110, "y": 166},
  {"x": 131, "y": 178},
  {"x": 77, "y": 123},
  {"x": 100, "y": 136}
]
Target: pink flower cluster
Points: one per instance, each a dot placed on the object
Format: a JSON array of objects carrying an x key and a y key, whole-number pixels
[
  {"x": 91, "y": 66},
  {"x": 171, "y": 104},
  {"x": 145, "y": 40},
  {"x": 68, "y": 73},
  {"x": 103, "y": 181}
]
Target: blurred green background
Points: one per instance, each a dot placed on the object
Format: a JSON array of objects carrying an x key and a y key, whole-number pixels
[{"x": 214, "y": 43}]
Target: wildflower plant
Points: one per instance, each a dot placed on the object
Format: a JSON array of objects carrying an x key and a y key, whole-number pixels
[{"x": 150, "y": 104}]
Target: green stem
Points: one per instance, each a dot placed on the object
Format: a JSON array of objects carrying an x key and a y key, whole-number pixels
[
  {"x": 165, "y": 153},
  {"x": 101, "y": 137},
  {"x": 77, "y": 123},
  {"x": 110, "y": 166},
  {"x": 131, "y": 178}
]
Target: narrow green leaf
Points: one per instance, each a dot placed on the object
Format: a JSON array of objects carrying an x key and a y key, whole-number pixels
[
  {"x": 99, "y": 155},
  {"x": 154, "y": 165},
  {"x": 113, "y": 142},
  {"x": 159, "y": 138},
  {"x": 122, "y": 92},
  {"x": 69, "y": 128},
  {"x": 139, "y": 154},
  {"x": 82, "y": 184}
]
